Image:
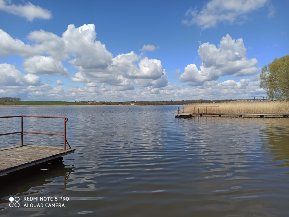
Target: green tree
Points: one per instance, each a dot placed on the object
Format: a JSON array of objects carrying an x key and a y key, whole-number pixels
[{"x": 275, "y": 78}]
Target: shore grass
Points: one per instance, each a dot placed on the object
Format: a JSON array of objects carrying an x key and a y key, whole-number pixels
[{"x": 239, "y": 107}]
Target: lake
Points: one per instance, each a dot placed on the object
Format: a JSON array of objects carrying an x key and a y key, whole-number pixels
[{"x": 141, "y": 161}]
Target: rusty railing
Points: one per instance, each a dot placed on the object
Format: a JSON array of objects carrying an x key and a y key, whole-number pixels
[{"x": 22, "y": 132}]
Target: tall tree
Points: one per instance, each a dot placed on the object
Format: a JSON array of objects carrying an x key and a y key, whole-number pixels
[{"x": 275, "y": 78}]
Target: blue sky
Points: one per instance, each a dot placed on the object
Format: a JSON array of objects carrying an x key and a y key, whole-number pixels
[{"x": 171, "y": 69}]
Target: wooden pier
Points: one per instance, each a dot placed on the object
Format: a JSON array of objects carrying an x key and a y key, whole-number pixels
[
  {"x": 20, "y": 157},
  {"x": 214, "y": 110}
]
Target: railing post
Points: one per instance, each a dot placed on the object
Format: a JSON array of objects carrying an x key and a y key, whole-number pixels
[
  {"x": 65, "y": 140},
  {"x": 22, "y": 131}
]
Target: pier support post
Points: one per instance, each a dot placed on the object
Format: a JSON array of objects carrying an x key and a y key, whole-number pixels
[
  {"x": 65, "y": 140},
  {"x": 22, "y": 131}
]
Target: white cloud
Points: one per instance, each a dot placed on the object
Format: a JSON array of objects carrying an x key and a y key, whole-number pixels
[
  {"x": 94, "y": 64},
  {"x": 229, "y": 89},
  {"x": 82, "y": 44},
  {"x": 10, "y": 76},
  {"x": 244, "y": 88},
  {"x": 127, "y": 70},
  {"x": 9, "y": 45},
  {"x": 220, "y": 11},
  {"x": 147, "y": 69},
  {"x": 27, "y": 10},
  {"x": 59, "y": 82},
  {"x": 127, "y": 76},
  {"x": 227, "y": 59},
  {"x": 148, "y": 48},
  {"x": 161, "y": 82},
  {"x": 31, "y": 78},
  {"x": 47, "y": 43},
  {"x": 44, "y": 65}
]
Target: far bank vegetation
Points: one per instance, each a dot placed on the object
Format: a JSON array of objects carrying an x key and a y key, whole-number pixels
[
  {"x": 274, "y": 78},
  {"x": 240, "y": 107}
]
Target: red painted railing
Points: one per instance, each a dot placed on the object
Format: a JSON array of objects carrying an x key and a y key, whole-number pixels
[{"x": 22, "y": 132}]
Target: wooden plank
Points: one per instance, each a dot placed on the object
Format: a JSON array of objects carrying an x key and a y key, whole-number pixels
[
  {"x": 184, "y": 115},
  {"x": 20, "y": 157}
]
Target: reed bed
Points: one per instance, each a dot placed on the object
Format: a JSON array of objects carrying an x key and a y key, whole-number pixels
[{"x": 239, "y": 107}]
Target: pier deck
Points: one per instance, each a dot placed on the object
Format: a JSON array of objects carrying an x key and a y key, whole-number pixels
[
  {"x": 26, "y": 155},
  {"x": 21, "y": 157}
]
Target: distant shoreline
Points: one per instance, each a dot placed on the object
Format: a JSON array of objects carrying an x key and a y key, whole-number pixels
[{"x": 104, "y": 103}]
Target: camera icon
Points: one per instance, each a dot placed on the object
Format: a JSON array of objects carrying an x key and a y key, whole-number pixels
[{"x": 14, "y": 202}]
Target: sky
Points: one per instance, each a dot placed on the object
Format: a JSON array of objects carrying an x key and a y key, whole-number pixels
[{"x": 139, "y": 50}]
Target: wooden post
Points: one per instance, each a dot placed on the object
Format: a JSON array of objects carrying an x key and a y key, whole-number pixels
[
  {"x": 65, "y": 121},
  {"x": 22, "y": 131}
]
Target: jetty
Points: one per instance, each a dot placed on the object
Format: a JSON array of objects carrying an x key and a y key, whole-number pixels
[
  {"x": 23, "y": 156},
  {"x": 216, "y": 111}
]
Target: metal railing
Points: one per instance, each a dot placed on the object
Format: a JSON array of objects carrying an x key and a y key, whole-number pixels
[{"x": 22, "y": 132}]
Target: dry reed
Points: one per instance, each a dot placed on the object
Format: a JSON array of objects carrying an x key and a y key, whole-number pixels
[{"x": 239, "y": 107}]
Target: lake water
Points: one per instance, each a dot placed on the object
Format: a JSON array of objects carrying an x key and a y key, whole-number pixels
[{"x": 141, "y": 161}]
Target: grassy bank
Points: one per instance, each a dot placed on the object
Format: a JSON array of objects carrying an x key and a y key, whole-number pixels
[{"x": 239, "y": 107}]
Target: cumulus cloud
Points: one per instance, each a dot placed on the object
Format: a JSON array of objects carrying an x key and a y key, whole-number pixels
[
  {"x": 244, "y": 88},
  {"x": 154, "y": 83},
  {"x": 227, "y": 59},
  {"x": 127, "y": 70},
  {"x": 82, "y": 44},
  {"x": 11, "y": 76},
  {"x": 147, "y": 69},
  {"x": 44, "y": 43},
  {"x": 9, "y": 45},
  {"x": 148, "y": 48},
  {"x": 126, "y": 76},
  {"x": 31, "y": 79},
  {"x": 44, "y": 65},
  {"x": 94, "y": 63},
  {"x": 220, "y": 11},
  {"x": 47, "y": 43},
  {"x": 27, "y": 10}
]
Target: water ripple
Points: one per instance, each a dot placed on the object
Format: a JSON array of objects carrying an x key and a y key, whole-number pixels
[{"x": 141, "y": 161}]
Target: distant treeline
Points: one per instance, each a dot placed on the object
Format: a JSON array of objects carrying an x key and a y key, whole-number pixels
[
  {"x": 17, "y": 101},
  {"x": 169, "y": 102},
  {"x": 9, "y": 99}
]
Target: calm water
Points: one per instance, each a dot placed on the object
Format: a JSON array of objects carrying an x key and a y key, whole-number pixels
[{"x": 141, "y": 161}]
